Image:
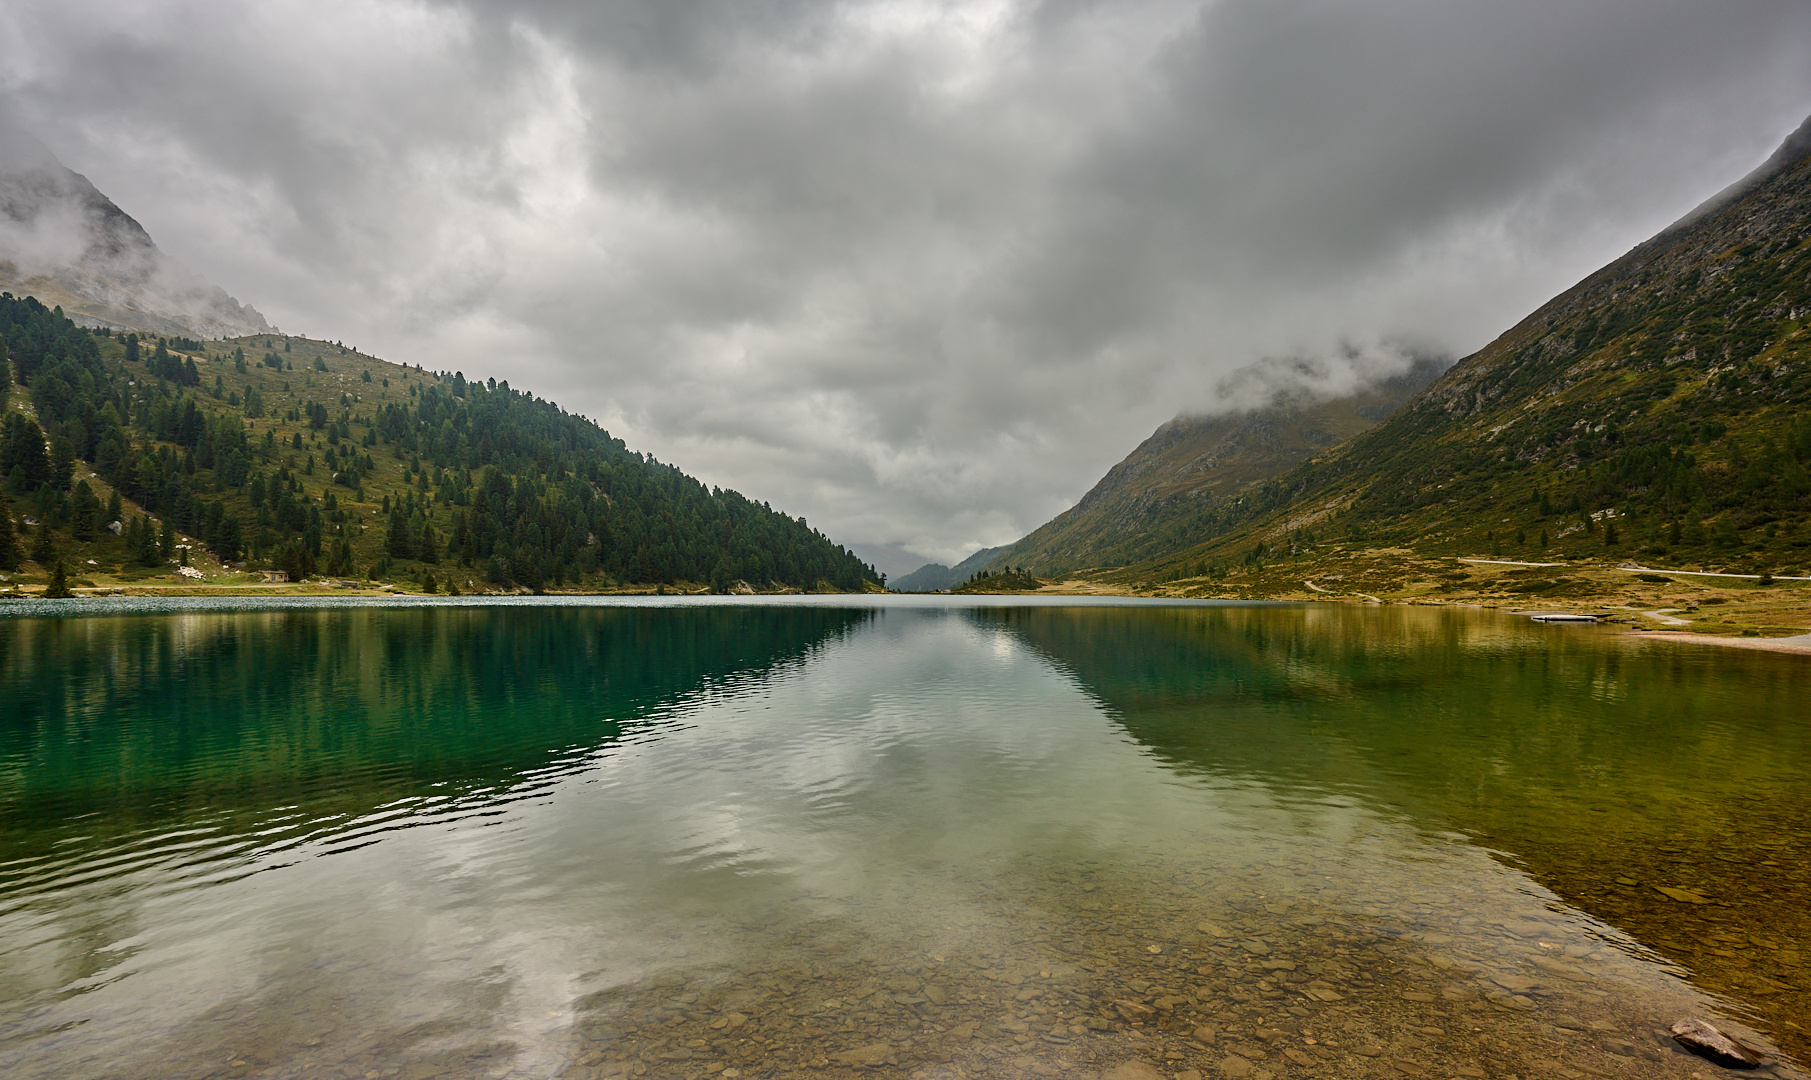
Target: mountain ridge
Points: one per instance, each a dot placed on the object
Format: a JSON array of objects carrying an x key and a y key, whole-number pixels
[
  {"x": 1664, "y": 394},
  {"x": 936, "y": 577},
  {"x": 1182, "y": 475}
]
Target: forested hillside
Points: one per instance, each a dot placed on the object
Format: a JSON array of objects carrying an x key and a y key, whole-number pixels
[
  {"x": 1659, "y": 411},
  {"x": 306, "y": 457}
]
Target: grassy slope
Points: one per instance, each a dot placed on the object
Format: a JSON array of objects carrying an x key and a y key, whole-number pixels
[
  {"x": 1177, "y": 483},
  {"x": 281, "y": 391},
  {"x": 1668, "y": 396},
  {"x": 1667, "y": 393}
]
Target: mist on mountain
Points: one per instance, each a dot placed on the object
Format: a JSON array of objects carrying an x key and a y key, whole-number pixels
[{"x": 68, "y": 244}]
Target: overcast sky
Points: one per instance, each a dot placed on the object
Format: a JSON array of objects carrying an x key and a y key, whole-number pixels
[{"x": 918, "y": 271}]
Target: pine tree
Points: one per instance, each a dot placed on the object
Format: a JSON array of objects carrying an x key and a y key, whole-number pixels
[
  {"x": 141, "y": 541},
  {"x": 62, "y": 462},
  {"x": 9, "y": 536},
  {"x": 58, "y": 589},
  {"x": 43, "y": 551},
  {"x": 22, "y": 452},
  {"x": 396, "y": 539}
]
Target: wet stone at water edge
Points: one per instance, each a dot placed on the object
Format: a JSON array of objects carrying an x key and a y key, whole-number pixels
[{"x": 1702, "y": 1038}]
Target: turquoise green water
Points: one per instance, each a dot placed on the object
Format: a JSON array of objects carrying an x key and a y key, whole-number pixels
[{"x": 707, "y": 839}]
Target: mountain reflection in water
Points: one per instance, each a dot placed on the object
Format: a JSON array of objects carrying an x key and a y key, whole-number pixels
[{"x": 855, "y": 837}]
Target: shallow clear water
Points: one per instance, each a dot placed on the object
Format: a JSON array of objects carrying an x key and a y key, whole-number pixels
[{"x": 835, "y": 837}]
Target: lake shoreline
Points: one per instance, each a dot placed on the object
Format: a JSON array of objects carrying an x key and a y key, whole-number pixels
[
  {"x": 1799, "y": 644},
  {"x": 1796, "y": 644},
  {"x": 1704, "y": 609}
]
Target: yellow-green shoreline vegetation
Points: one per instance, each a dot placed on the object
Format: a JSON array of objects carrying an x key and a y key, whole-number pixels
[
  {"x": 273, "y": 463},
  {"x": 1689, "y": 606}
]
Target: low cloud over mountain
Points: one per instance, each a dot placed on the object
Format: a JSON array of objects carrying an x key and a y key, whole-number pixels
[{"x": 64, "y": 242}]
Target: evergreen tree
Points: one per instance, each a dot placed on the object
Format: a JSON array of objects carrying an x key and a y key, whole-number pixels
[
  {"x": 22, "y": 455},
  {"x": 226, "y": 539},
  {"x": 43, "y": 549},
  {"x": 84, "y": 512},
  {"x": 62, "y": 462},
  {"x": 147, "y": 552},
  {"x": 396, "y": 537},
  {"x": 58, "y": 589},
  {"x": 9, "y": 536}
]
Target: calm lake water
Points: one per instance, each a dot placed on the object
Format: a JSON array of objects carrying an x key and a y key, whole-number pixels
[{"x": 835, "y": 837}]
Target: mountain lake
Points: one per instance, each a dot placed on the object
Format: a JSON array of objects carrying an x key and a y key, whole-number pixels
[{"x": 925, "y": 837}]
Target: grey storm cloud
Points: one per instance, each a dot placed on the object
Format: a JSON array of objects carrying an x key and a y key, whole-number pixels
[{"x": 917, "y": 270}]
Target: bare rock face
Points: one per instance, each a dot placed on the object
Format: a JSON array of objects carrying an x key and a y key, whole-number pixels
[{"x": 1704, "y": 1039}]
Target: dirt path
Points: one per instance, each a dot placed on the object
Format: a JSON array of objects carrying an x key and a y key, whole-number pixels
[
  {"x": 1800, "y": 644},
  {"x": 1695, "y": 573}
]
